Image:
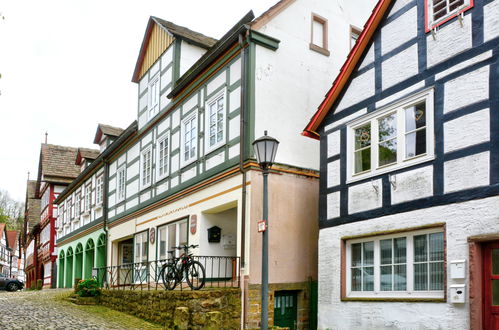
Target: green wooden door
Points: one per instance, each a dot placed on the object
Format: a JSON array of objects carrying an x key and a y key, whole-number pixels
[{"x": 285, "y": 309}]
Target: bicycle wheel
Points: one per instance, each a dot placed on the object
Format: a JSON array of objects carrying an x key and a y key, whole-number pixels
[
  {"x": 168, "y": 277},
  {"x": 195, "y": 275}
]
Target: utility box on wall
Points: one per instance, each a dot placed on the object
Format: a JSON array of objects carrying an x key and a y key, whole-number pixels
[
  {"x": 214, "y": 234},
  {"x": 458, "y": 269},
  {"x": 458, "y": 293}
]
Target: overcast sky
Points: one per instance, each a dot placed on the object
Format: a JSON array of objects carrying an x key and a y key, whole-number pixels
[{"x": 67, "y": 66}]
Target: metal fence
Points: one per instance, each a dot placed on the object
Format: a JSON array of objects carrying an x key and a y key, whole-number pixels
[{"x": 220, "y": 272}]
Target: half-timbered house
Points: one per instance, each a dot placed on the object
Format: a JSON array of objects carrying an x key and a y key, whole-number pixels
[
  {"x": 409, "y": 216},
  {"x": 190, "y": 171}
]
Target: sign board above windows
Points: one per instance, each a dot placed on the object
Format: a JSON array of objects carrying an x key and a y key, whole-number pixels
[{"x": 392, "y": 137}]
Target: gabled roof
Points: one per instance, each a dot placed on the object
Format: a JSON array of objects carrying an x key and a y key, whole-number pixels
[
  {"x": 348, "y": 68},
  {"x": 85, "y": 153},
  {"x": 172, "y": 29},
  {"x": 58, "y": 161},
  {"x": 12, "y": 238},
  {"x": 109, "y": 130},
  {"x": 2, "y": 229},
  {"x": 270, "y": 13}
]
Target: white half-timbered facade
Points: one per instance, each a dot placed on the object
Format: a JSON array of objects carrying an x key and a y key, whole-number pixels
[
  {"x": 190, "y": 170},
  {"x": 409, "y": 223}
]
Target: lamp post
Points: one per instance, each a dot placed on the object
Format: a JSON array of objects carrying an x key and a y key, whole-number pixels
[{"x": 265, "y": 150}]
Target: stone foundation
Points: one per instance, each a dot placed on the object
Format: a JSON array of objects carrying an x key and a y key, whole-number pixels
[
  {"x": 209, "y": 309},
  {"x": 254, "y": 303}
]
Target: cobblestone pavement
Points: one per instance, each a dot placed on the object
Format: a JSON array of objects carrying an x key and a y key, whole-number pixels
[{"x": 41, "y": 310}]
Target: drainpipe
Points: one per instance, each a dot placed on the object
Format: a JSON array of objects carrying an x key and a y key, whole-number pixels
[
  {"x": 104, "y": 208},
  {"x": 242, "y": 154}
]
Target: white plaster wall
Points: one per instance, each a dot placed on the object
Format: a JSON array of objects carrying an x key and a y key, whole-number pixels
[
  {"x": 400, "y": 30},
  {"x": 189, "y": 104},
  {"x": 368, "y": 58},
  {"x": 235, "y": 99},
  {"x": 451, "y": 39},
  {"x": 412, "y": 185},
  {"x": 133, "y": 152},
  {"x": 462, "y": 220},
  {"x": 189, "y": 54},
  {"x": 365, "y": 196},
  {"x": 364, "y": 83},
  {"x": 491, "y": 20},
  {"x": 215, "y": 160},
  {"x": 333, "y": 173},
  {"x": 235, "y": 71},
  {"x": 333, "y": 144},
  {"x": 467, "y": 130},
  {"x": 234, "y": 151},
  {"x": 475, "y": 85},
  {"x": 292, "y": 81},
  {"x": 166, "y": 58},
  {"x": 399, "y": 95},
  {"x": 216, "y": 82},
  {"x": 400, "y": 67},
  {"x": 234, "y": 127},
  {"x": 467, "y": 172},
  {"x": 333, "y": 205},
  {"x": 163, "y": 126},
  {"x": 189, "y": 174}
]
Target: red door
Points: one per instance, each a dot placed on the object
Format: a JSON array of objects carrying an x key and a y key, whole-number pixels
[{"x": 491, "y": 286}]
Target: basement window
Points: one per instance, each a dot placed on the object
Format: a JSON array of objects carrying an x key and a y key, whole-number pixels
[
  {"x": 319, "y": 35},
  {"x": 441, "y": 11}
]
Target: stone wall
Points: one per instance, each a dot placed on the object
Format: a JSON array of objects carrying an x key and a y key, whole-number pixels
[
  {"x": 210, "y": 309},
  {"x": 254, "y": 302}
]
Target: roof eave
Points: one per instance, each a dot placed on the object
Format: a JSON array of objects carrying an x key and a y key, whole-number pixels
[{"x": 347, "y": 68}]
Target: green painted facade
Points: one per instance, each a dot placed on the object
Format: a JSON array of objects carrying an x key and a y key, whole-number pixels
[{"x": 77, "y": 258}]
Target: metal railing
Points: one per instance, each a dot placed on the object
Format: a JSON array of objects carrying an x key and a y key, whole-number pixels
[{"x": 220, "y": 272}]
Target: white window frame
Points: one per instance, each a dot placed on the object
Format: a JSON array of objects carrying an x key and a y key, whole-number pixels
[
  {"x": 166, "y": 157},
  {"x": 99, "y": 190},
  {"x": 88, "y": 198},
  {"x": 431, "y": 23},
  {"x": 213, "y": 100},
  {"x": 146, "y": 167},
  {"x": 190, "y": 117},
  {"x": 164, "y": 229},
  {"x": 153, "y": 98},
  {"x": 121, "y": 186},
  {"x": 398, "y": 108},
  {"x": 77, "y": 204},
  {"x": 377, "y": 293}
]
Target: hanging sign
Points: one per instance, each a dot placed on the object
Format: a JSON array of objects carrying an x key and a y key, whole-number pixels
[
  {"x": 194, "y": 223},
  {"x": 262, "y": 226},
  {"x": 152, "y": 235}
]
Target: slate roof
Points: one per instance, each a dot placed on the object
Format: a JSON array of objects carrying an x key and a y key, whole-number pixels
[
  {"x": 58, "y": 161},
  {"x": 33, "y": 206},
  {"x": 183, "y": 32},
  {"x": 103, "y": 129},
  {"x": 88, "y": 153}
]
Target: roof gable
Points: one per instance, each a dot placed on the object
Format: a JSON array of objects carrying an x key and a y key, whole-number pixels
[
  {"x": 355, "y": 55},
  {"x": 85, "y": 153},
  {"x": 58, "y": 161},
  {"x": 159, "y": 35},
  {"x": 103, "y": 129}
]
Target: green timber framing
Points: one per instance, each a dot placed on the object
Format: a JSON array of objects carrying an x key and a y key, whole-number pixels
[
  {"x": 224, "y": 53},
  {"x": 85, "y": 248}
]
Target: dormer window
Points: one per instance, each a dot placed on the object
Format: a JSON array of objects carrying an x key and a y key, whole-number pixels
[
  {"x": 153, "y": 97},
  {"x": 440, "y": 11}
]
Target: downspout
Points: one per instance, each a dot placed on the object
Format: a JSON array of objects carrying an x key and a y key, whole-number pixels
[
  {"x": 242, "y": 154},
  {"x": 105, "y": 210}
]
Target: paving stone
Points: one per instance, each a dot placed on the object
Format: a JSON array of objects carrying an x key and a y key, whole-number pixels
[{"x": 40, "y": 310}]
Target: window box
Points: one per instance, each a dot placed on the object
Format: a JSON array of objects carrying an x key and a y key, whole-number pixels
[
  {"x": 404, "y": 265},
  {"x": 391, "y": 138},
  {"x": 440, "y": 11}
]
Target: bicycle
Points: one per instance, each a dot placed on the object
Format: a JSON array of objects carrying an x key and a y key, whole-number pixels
[{"x": 176, "y": 269}]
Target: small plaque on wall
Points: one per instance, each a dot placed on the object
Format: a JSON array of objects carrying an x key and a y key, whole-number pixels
[
  {"x": 194, "y": 223},
  {"x": 152, "y": 235}
]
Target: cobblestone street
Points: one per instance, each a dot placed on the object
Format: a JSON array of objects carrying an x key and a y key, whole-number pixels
[{"x": 45, "y": 310}]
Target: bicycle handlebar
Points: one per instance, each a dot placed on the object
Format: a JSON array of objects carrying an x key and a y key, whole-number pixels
[{"x": 185, "y": 247}]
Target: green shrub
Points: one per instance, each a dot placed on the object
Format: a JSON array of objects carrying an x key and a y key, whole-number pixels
[
  {"x": 33, "y": 285},
  {"x": 88, "y": 288},
  {"x": 39, "y": 284}
]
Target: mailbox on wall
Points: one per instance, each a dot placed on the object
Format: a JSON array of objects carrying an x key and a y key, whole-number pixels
[{"x": 214, "y": 234}]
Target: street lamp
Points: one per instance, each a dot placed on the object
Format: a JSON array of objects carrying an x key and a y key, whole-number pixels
[{"x": 265, "y": 150}]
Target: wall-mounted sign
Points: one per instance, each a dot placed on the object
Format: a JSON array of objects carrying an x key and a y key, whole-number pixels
[
  {"x": 194, "y": 223},
  {"x": 262, "y": 226},
  {"x": 152, "y": 235}
]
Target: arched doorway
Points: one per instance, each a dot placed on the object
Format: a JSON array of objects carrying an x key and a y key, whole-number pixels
[
  {"x": 100, "y": 261},
  {"x": 61, "y": 270},
  {"x": 69, "y": 268},
  {"x": 79, "y": 261},
  {"x": 89, "y": 258}
]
